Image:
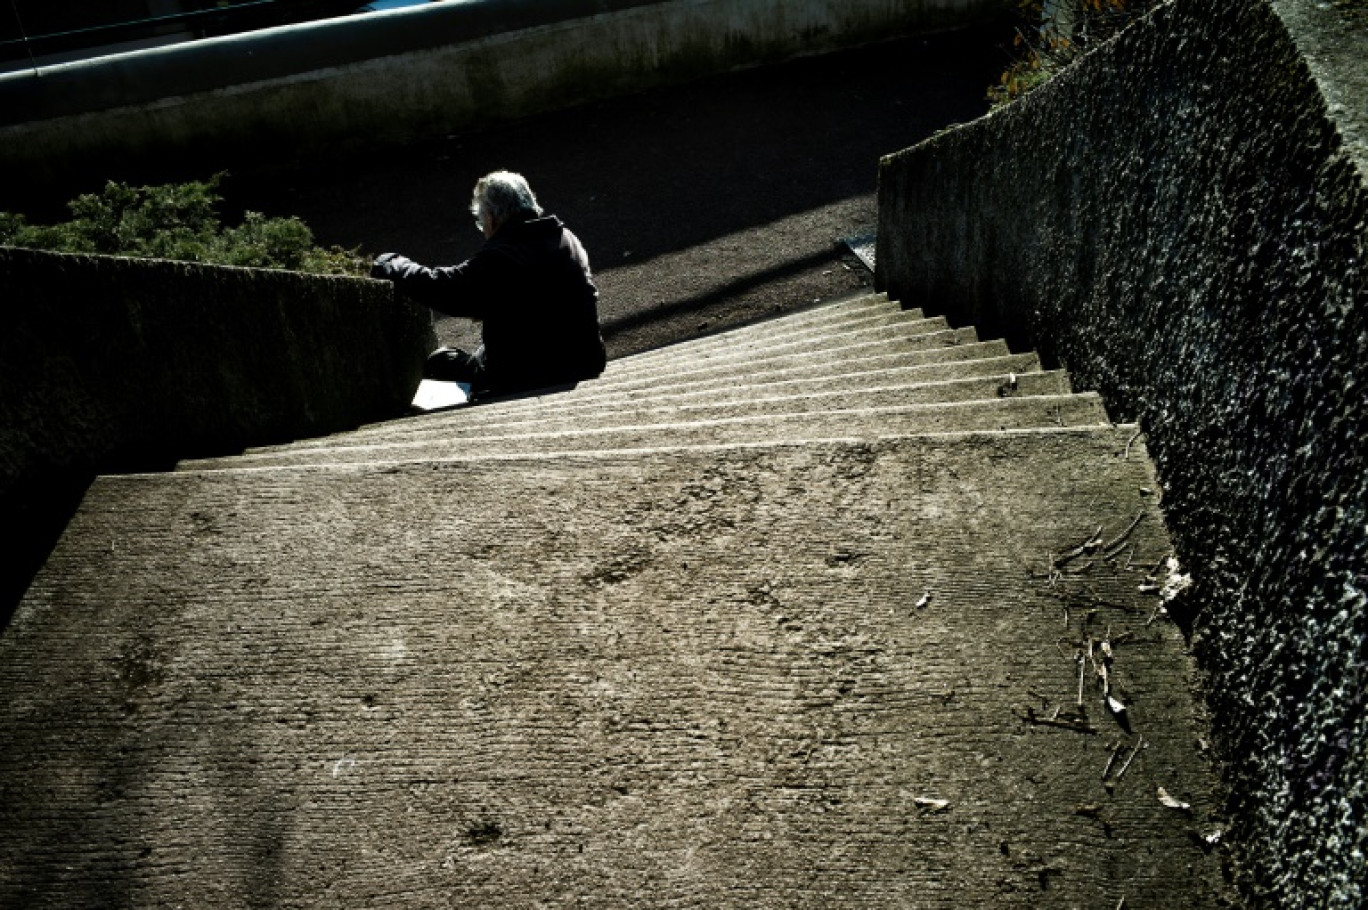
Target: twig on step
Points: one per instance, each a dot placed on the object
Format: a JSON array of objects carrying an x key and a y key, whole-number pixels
[
  {"x": 1081, "y": 667},
  {"x": 1115, "y": 751},
  {"x": 1115, "y": 543},
  {"x": 1134, "y": 752},
  {"x": 1088, "y": 546},
  {"x": 1130, "y": 442}
]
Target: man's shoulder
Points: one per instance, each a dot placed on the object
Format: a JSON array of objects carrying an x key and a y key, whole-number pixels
[{"x": 523, "y": 233}]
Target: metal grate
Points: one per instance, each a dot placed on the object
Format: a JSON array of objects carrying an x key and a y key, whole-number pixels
[{"x": 862, "y": 245}]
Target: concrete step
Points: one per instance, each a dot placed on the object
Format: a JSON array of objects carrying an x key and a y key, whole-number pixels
[
  {"x": 771, "y": 331},
  {"x": 464, "y": 420},
  {"x": 855, "y": 307},
  {"x": 763, "y": 349},
  {"x": 974, "y": 359},
  {"x": 823, "y": 368},
  {"x": 947, "y": 362},
  {"x": 837, "y": 349},
  {"x": 859, "y": 307},
  {"x": 820, "y": 360},
  {"x": 614, "y": 415},
  {"x": 836, "y": 674},
  {"x": 863, "y": 423}
]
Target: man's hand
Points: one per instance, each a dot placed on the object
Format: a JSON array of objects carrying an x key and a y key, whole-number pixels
[{"x": 379, "y": 268}]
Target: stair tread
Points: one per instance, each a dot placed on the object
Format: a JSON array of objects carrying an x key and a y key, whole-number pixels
[
  {"x": 987, "y": 386},
  {"x": 837, "y": 349},
  {"x": 871, "y": 422},
  {"x": 777, "y": 331},
  {"x": 822, "y": 672}
]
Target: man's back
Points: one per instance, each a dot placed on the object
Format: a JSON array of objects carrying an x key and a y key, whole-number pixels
[
  {"x": 541, "y": 327},
  {"x": 531, "y": 287}
]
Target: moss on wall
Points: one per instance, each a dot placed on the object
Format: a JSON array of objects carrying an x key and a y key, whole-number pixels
[{"x": 1177, "y": 220}]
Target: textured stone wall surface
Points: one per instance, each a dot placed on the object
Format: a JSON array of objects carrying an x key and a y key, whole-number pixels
[
  {"x": 125, "y": 364},
  {"x": 1180, "y": 220}
]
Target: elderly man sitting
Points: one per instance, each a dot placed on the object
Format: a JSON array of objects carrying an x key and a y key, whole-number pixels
[{"x": 529, "y": 286}]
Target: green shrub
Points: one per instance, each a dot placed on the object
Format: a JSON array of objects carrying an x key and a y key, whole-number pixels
[
  {"x": 1049, "y": 41},
  {"x": 179, "y": 221}
]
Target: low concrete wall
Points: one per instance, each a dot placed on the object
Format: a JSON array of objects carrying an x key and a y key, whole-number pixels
[
  {"x": 125, "y": 364},
  {"x": 1178, "y": 220},
  {"x": 311, "y": 89}
]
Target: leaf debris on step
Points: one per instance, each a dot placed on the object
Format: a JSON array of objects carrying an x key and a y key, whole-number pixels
[{"x": 1173, "y": 802}]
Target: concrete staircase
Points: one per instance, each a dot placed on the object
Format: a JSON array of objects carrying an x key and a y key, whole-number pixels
[{"x": 813, "y": 613}]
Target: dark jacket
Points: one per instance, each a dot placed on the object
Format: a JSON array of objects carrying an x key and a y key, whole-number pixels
[{"x": 531, "y": 288}]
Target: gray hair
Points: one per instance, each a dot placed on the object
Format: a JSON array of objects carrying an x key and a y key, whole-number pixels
[{"x": 502, "y": 195}]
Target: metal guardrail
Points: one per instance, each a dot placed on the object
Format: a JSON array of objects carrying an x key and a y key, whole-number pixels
[{"x": 98, "y": 38}]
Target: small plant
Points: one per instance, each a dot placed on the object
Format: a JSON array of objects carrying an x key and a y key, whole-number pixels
[
  {"x": 179, "y": 221},
  {"x": 1054, "y": 34}
]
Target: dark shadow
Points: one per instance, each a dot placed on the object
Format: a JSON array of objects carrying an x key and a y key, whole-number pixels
[
  {"x": 36, "y": 516},
  {"x": 530, "y": 393},
  {"x": 613, "y": 327},
  {"x": 655, "y": 172}
]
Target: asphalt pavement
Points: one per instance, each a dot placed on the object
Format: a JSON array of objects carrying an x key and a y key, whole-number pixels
[{"x": 702, "y": 206}]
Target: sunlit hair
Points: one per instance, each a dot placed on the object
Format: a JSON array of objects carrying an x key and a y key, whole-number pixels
[{"x": 502, "y": 195}]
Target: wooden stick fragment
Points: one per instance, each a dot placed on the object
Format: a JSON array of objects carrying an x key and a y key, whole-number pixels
[
  {"x": 1081, "y": 666},
  {"x": 1126, "y": 457},
  {"x": 1118, "y": 540},
  {"x": 1115, "y": 750},
  {"x": 1134, "y": 752},
  {"x": 1088, "y": 546}
]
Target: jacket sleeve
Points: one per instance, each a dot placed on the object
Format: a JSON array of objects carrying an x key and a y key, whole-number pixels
[{"x": 456, "y": 290}]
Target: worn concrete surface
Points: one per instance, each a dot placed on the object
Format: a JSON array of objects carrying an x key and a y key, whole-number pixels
[
  {"x": 834, "y": 387},
  {"x": 781, "y": 674},
  {"x": 784, "y": 676},
  {"x": 617, "y": 410},
  {"x": 721, "y": 359},
  {"x": 994, "y": 413},
  {"x": 1333, "y": 39},
  {"x": 829, "y": 387},
  {"x": 857, "y": 309},
  {"x": 752, "y": 350},
  {"x": 491, "y": 421}
]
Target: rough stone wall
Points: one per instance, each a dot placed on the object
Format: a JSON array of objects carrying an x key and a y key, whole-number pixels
[
  {"x": 1179, "y": 221},
  {"x": 125, "y": 364}
]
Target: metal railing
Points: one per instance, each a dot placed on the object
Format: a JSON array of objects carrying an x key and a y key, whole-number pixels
[{"x": 75, "y": 40}]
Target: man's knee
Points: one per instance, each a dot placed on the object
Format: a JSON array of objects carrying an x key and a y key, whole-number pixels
[{"x": 453, "y": 365}]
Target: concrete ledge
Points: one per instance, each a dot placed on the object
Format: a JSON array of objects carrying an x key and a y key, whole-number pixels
[
  {"x": 307, "y": 89},
  {"x": 1179, "y": 220},
  {"x": 118, "y": 364}
]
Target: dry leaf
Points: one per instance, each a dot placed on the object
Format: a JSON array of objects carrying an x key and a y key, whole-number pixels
[{"x": 1173, "y": 803}]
